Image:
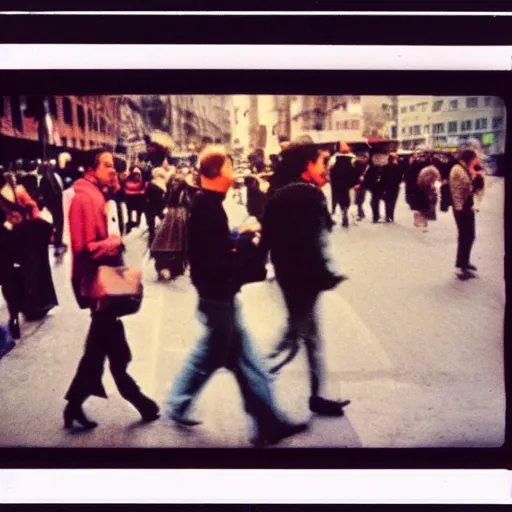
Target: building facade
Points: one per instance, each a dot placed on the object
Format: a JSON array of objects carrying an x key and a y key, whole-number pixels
[
  {"x": 335, "y": 117},
  {"x": 448, "y": 121},
  {"x": 76, "y": 122}
]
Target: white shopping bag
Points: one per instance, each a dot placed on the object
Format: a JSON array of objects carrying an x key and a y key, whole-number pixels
[
  {"x": 46, "y": 215},
  {"x": 113, "y": 221}
]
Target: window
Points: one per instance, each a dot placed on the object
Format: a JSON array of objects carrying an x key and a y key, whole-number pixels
[
  {"x": 452, "y": 126},
  {"x": 2, "y": 108},
  {"x": 17, "y": 120},
  {"x": 95, "y": 124},
  {"x": 404, "y": 130},
  {"x": 73, "y": 142},
  {"x": 465, "y": 126},
  {"x": 89, "y": 119},
  {"x": 103, "y": 126},
  {"x": 438, "y": 128},
  {"x": 454, "y": 105},
  {"x": 53, "y": 107},
  {"x": 355, "y": 125},
  {"x": 403, "y": 110},
  {"x": 91, "y": 143},
  {"x": 393, "y": 132},
  {"x": 481, "y": 124},
  {"x": 82, "y": 143},
  {"x": 416, "y": 130},
  {"x": 426, "y": 128},
  {"x": 68, "y": 116},
  {"x": 488, "y": 101},
  {"x": 436, "y": 107},
  {"x": 64, "y": 141},
  {"x": 412, "y": 108},
  {"x": 472, "y": 102},
  {"x": 497, "y": 122},
  {"x": 81, "y": 116}
]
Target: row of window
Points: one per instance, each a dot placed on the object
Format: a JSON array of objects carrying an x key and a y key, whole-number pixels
[
  {"x": 471, "y": 102},
  {"x": 17, "y": 121},
  {"x": 348, "y": 125},
  {"x": 73, "y": 143},
  {"x": 465, "y": 126}
]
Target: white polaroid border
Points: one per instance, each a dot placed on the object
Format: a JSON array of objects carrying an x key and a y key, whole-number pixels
[
  {"x": 256, "y": 486},
  {"x": 251, "y": 57}
]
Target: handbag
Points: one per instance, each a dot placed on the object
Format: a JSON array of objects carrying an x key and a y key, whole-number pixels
[
  {"x": 119, "y": 290},
  {"x": 250, "y": 263}
]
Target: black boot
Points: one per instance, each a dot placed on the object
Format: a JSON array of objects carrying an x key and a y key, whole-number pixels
[
  {"x": 72, "y": 412},
  {"x": 148, "y": 409},
  {"x": 14, "y": 327},
  {"x": 344, "y": 222},
  {"x": 324, "y": 407}
]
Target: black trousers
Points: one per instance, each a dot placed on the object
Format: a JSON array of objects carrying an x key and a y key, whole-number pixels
[
  {"x": 375, "y": 203},
  {"x": 150, "y": 221},
  {"x": 390, "y": 202},
  {"x": 106, "y": 339},
  {"x": 302, "y": 324},
  {"x": 465, "y": 221},
  {"x": 57, "y": 211}
]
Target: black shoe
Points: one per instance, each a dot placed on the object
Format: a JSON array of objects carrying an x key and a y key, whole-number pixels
[
  {"x": 344, "y": 223},
  {"x": 184, "y": 421},
  {"x": 283, "y": 431},
  {"x": 472, "y": 267},
  {"x": 390, "y": 220},
  {"x": 149, "y": 411},
  {"x": 464, "y": 275},
  {"x": 14, "y": 327},
  {"x": 73, "y": 412},
  {"x": 375, "y": 221},
  {"x": 324, "y": 407}
]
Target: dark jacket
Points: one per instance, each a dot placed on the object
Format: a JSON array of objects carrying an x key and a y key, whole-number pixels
[
  {"x": 295, "y": 224},
  {"x": 211, "y": 248}
]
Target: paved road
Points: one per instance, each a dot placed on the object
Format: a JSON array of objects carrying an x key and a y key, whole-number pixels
[{"x": 418, "y": 352}]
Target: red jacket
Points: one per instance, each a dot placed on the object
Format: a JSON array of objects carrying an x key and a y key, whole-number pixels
[{"x": 91, "y": 246}]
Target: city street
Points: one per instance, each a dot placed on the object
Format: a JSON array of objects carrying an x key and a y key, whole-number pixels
[{"x": 419, "y": 353}]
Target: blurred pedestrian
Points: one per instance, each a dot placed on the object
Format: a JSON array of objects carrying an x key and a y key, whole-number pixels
[
  {"x": 154, "y": 200},
  {"x": 51, "y": 188},
  {"x": 429, "y": 182},
  {"x": 170, "y": 246},
  {"x": 392, "y": 179},
  {"x": 295, "y": 228},
  {"x": 92, "y": 247},
  {"x": 26, "y": 278},
  {"x": 226, "y": 342},
  {"x": 134, "y": 188},
  {"x": 461, "y": 186}
]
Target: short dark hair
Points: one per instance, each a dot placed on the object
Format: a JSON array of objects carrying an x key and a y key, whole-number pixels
[
  {"x": 294, "y": 161},
  {"x": 91, "y": 158},
  {"x": 211, "y": 162},
  {"x": 467, "y": 155}
]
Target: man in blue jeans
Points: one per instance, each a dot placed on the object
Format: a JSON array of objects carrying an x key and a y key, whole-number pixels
[{"x": 212, "y": 257}]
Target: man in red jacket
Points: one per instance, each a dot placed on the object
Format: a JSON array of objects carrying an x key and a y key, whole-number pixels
[{"x": 91, "y": 247}]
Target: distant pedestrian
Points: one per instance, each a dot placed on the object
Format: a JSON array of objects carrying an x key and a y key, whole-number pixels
[
  {"x": 134, "y": 188},
  {"x": 462, "y": 176},
  {"x": 429, "y": 182}
]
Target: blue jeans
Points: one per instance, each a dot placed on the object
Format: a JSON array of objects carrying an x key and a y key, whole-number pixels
[{"x": 226, "y": 344}]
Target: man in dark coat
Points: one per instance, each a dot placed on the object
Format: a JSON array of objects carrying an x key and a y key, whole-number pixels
[
  {"x": 295, "y": 225},
  {"x": 213, "y": 262},
  {"x": 50, "y": 190},
  {"x": 343, "y": 177},
  {"x": 391, "y": 186}
]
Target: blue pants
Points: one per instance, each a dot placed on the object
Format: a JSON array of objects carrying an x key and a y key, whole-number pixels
[{"x": 226, "y": 344}]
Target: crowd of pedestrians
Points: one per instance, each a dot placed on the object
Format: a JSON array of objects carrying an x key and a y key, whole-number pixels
[{"x": 188, "y": 228}]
